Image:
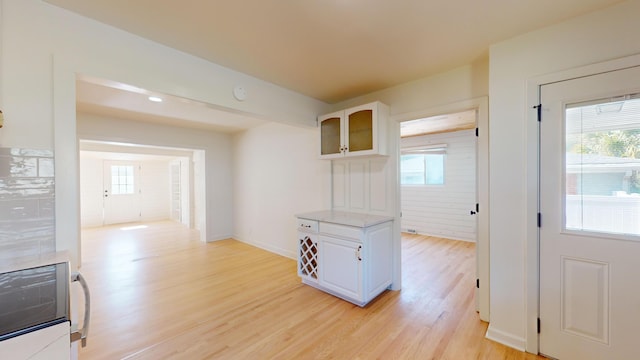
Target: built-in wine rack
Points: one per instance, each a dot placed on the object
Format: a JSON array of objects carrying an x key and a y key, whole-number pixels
[{"x": 308, "y": 260}]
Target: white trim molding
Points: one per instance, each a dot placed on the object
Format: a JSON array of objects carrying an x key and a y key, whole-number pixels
[{"x": 506, "y": 338}]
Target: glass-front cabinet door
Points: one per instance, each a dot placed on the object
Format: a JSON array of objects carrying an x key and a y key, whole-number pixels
[
  {"x": 331, "y": 135},
  {"x": 360, "y": 130},
  {"x": 356, "y": 131}
]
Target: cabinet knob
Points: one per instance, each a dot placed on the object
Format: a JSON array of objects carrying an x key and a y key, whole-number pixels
[{"x": 358, "y": 253}]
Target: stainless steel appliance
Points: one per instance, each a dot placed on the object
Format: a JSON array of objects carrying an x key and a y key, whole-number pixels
[{"x": 37, "y": 298}]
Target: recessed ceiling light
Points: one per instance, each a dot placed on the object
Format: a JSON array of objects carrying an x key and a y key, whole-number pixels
[{"x": 155, "y": 99}]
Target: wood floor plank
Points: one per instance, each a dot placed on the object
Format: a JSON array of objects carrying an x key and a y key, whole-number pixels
[{"x": 160, "y": 293}]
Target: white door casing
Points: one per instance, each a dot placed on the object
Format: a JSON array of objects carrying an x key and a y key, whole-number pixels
[
  {"x": 481, "y": 104},
  {"x": 589, "y": 304}
]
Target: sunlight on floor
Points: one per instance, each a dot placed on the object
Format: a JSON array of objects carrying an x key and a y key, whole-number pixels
[{"x": 135, "y": 227}]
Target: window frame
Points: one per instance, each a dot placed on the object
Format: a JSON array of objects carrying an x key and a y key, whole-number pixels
[
  {"x": 424, "y": 151},
  {"x": 128, "y": 173}
]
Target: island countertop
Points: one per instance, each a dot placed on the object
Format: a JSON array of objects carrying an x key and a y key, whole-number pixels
[{"x": 345, "y": 218}]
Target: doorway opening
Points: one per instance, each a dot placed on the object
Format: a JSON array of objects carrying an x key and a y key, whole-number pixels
[
  {"x": 124, "y": 183},
  {"x": 438, "y": 176},
  {"x": 444, "y": 180}
]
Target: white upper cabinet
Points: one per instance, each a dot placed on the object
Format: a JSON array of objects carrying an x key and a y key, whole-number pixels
[{"x": 361, "y": 130}]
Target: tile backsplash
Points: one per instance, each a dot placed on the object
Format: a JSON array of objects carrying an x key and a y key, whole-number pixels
[{"x": 27, "y": 203}]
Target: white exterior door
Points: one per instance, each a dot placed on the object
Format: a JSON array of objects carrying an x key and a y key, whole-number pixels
[
  {"x": 122, "y": 202},
  {"x": 590, "y": 217}
]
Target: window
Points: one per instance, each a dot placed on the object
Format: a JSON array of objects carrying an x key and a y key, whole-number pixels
[
  {"x": 423, "y": 166},
  {"x": 122, "y": 179},
  {"x": 602, "y": 166}
]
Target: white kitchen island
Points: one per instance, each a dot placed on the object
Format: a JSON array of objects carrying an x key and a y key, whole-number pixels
[{"x": 346, "y": 254}]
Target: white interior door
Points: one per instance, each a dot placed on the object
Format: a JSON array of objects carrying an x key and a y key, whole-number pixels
[
  {"x": 590, "y": 217},
  {"x": 122, "y": 200}
]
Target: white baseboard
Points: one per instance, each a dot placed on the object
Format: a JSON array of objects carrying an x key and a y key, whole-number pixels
[
  {"x": 507, "y": 339},
  {"x": 269, "y": 248},
  {"x": 444, "y": 236},
  {"x": 219, "y": 237}
]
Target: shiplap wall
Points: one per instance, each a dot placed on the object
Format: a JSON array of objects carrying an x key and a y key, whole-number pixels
[{"x": 443, "y": 210}]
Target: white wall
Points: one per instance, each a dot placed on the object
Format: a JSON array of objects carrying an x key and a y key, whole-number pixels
[
  {"x": 443, "y": 210},
  {"x": 155, "y": 185},
  {"x": 277, "y": 174},
  {"x": 607, "y": 34}
]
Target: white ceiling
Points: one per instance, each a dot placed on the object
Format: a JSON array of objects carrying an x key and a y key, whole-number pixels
[{"x": 333, "y": 50}]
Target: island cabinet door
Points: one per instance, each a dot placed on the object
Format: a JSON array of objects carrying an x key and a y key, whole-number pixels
[{"x": 341, "y": 267}]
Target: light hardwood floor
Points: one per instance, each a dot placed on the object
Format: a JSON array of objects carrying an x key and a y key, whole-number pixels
[{"x": 159, "y": 293}]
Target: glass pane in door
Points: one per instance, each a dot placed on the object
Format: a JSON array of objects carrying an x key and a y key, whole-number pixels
[
  {"x": 122, "y": 180},
  {"x": 602, "y": 166},
  {"x": 361, "y": 130},
  {"x": 330, "y": 136}
]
